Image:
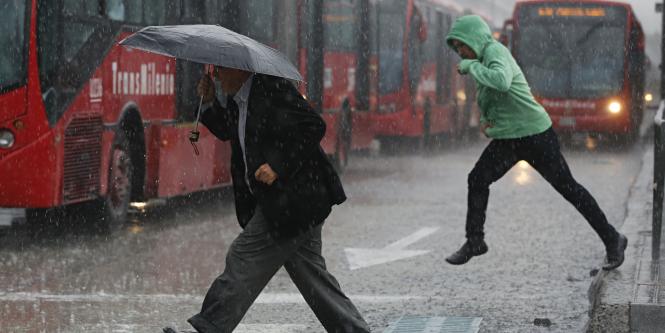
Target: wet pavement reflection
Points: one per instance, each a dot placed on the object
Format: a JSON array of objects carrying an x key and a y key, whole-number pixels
[{"x": 155, "y": 271}]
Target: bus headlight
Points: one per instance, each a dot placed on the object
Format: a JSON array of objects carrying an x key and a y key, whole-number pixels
[
  {"x": 614, "y": 107},
  {"x": 461, "y": 96},
  {"x": 6, "y": 139}
]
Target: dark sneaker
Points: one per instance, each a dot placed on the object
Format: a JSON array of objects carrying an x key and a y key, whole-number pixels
[
  {"x": 467, "y": 251},
  {"x": 615, "y": 254}
]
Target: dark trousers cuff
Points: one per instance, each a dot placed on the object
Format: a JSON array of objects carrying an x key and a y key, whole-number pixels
[{"x": 203, "y": 325}]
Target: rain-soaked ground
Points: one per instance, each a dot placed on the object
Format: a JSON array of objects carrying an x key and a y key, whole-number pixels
[{"x": 155, "y": 271}]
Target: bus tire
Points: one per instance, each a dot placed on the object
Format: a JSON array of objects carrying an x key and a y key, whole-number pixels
[
  {"x": 112, "y": 209},
  {"x": 343, "y": 142}
]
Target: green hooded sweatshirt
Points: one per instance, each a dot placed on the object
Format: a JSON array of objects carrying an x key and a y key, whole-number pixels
[{"x": 504, "y": 96}]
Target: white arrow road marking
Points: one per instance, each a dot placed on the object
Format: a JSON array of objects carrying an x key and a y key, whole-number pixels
[{"x": 359, "y": 258}]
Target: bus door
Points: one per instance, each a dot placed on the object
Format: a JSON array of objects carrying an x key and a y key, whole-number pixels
[
  {"x": 390, "y": 34},
  {"x": 342, "y": 52},
  {"x": 431, "y": 61},
  {"x": 362, "y": 131},
  {"x": 415, "y": 54}
]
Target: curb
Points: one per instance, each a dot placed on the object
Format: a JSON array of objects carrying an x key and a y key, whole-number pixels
[{"x": 611, "y": 294}]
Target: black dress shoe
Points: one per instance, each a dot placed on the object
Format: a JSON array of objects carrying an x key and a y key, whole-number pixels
[
  {"x": 615, "y": 253},
  {"x": 467, "y": 251}
]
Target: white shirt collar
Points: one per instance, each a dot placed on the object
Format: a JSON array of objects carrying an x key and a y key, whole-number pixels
[{"x": 243, "y": 93}]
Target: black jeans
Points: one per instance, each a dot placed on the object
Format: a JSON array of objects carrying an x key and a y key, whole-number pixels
[{"x": 542, "y": 151}]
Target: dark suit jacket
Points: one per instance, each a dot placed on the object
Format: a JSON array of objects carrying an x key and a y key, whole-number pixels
[{"x": 284, "y": 131}]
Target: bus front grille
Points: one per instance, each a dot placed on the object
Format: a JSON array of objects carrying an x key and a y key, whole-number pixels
[{"x": 83, "y": 139}]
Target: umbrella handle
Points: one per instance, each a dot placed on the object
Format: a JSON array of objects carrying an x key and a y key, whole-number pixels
[
  {"x": 207, "y": 71},
  {"x": 194, "y": 135},
  {"x": 198, "y": 115}
]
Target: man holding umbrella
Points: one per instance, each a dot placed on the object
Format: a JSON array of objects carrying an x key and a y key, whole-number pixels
[
  {"x": 283, "y": 183},
  {"x": 284, "y": 188}
]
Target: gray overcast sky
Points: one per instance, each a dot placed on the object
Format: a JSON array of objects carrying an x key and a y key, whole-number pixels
[{"x": 651, "y": 21}]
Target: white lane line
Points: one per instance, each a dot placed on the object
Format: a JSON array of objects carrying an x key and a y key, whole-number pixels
[
  {"x": 265, "y": 298},
  {"x": 360, "y": 258}
]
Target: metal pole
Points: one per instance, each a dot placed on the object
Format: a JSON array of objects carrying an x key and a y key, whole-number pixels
[
  {"x": 658, "y": 182},
  {"x": 657, "y": 194},
  {"x": 662, "y": 57},
  {"x": 659, "y": 163}
]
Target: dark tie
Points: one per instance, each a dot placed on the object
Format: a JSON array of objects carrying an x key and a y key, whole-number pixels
[{"x": 232, "y": 105}]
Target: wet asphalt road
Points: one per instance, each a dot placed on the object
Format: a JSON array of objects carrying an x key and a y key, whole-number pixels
[{"x": 156, "y": 270}]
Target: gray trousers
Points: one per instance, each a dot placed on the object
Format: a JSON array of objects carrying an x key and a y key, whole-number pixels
[{"x": 252, "y": 260}]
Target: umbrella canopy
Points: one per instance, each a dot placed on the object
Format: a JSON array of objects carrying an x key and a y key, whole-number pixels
[{"x": 213, "y": 44}]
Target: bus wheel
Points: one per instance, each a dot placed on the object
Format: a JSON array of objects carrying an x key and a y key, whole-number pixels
[
  {"x": 343, "y": 145},
  {"x": 114, "y": 206}
]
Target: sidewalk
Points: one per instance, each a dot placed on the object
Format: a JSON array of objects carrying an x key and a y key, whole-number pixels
[{"x": 632, "y": 298}]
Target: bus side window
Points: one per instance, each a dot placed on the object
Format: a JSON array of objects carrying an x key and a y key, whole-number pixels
[
  {"x": 72, "y": 40},
  {"x": 154, "y": 12},
  {"x": 142, "y": 12},
  {"x": 134, "y": 11},
  {"x": 430, "y": 46},
  {"x": 78, "y": 30},
  {"x": 192, "y": 12},
  {"x": 81, "y": 7},
  {"x": 257, "y": 20}
]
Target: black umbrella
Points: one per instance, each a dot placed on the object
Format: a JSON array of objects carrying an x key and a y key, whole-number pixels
[{"x": 212, "y": 44}]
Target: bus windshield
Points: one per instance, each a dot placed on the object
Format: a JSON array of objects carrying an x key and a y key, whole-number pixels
[
  {"x": 392, "y": 22},
  {"x": 12, "y": 43},
  {"x": 572, "y": 52}
]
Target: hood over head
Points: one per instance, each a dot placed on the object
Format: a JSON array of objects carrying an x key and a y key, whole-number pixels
[{"x": 471, "y": 30}]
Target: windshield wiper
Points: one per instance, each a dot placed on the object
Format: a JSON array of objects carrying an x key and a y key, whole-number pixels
[{"x": 586, "y": 36}]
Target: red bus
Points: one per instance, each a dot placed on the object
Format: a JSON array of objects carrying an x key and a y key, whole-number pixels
[
  {"x": 419, "y": 92},
  {"x": 584, "y": 61},
  {"x": 83, "y": 120},
  {"x": 87, "y": 124}
]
